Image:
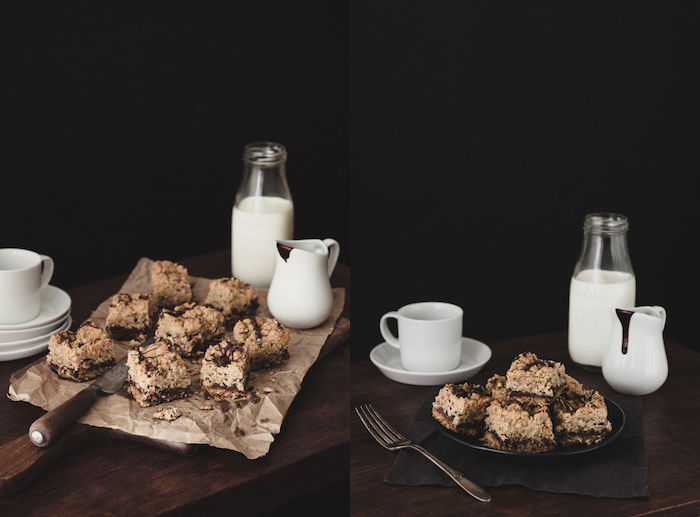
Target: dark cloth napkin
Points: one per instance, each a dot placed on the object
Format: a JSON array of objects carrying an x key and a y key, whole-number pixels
[{"x": 616, "y": 470}]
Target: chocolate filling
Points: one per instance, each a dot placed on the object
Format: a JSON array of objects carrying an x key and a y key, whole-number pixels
[
  {"x": 164, "y": 395},
  {"x": 473, "y": 429},
  {"x": 538, "y": 362},
  {"x": 570, "y": 405},
  {"x": 465, "y": 391},
  {"x": 512, "y": 444},
  {"x": 83, "y": 373},
  {"x": 123, "y": 333},
  {"x": 223, "y": 354},
  {"x": 237, "y": 315},
  {"x": 179, "y": 310},
  {"x": 516, "y": 393},
  {"x": 590, "y": 432}
]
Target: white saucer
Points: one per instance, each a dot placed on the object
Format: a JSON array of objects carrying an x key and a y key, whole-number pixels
[
  {"x": 29, "y": 343},
  {"x": 55, "y": 303},
  {"x": 475, "y": 355},
  {"x": 24, "y": 352},
  {"x": 7, "y": 336}
]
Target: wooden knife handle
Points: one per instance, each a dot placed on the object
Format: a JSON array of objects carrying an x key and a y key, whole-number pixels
[
  {"x": 51, "y": 426},
  {"x": 22, "y": 462}
]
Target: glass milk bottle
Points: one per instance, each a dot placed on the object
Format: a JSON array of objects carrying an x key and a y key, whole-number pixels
[
  {"x": 263, "y": 213},
  {"x": 603, "y": 279}
]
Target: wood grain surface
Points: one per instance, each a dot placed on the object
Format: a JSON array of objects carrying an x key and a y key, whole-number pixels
[
  {"x": 126, "y": 478},
  {"x": 671, "y": 419}
]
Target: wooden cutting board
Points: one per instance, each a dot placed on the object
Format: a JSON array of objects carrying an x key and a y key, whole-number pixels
[{"x": 23, "y": 462}]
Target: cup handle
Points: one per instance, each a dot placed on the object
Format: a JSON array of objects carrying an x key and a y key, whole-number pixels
[
  {"x": 384, "y": 329},
  {"x": 333, "y": 253},
  {"x": 46, "y": 270}
]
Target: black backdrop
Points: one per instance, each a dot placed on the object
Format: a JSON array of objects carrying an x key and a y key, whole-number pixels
[
  {"x": 124, "y": 126},
  {"x": 483, "y": 133}
]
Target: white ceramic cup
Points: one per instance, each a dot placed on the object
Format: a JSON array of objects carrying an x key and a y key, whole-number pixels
[
  {"x": 23, "y": 274},
  {"x": 430, "y": 336}
]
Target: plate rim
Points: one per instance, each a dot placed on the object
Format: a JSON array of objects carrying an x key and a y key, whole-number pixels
[
  {"x": 561, "y": 453},
  {"x": 27, "y": 343},
  {"x": 457, "y": 370},
  {"x": 25, "y": 352},
  {"x": 50, "y": 328}
]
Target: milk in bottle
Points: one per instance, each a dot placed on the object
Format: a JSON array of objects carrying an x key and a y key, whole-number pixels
[
  {"x": 263, "y": 213},
  {"x": 603, "y": 280},
  {"x": 593, "y": 295}
]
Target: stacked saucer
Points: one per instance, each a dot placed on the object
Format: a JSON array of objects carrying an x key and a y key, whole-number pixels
[{"x": 18, "y": 340}]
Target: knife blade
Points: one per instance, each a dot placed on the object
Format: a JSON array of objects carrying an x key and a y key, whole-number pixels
[
  {"x": 50, "y": 427},
  {"x": 113, "y": 379}
]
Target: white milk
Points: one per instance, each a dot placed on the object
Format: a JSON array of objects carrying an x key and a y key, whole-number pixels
[
  {"x": 257, "y": 222},
  {"x": 592, "y": 296}
]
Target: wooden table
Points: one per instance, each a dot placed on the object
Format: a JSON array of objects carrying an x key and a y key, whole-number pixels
[
  {"x": 124, "y": 478},
  {"x": 671, "y": 419}
]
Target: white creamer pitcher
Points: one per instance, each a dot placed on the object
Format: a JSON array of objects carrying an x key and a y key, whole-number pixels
[
  {"x": 635, "y": 362},
  {"x": 300, "y": 294}
]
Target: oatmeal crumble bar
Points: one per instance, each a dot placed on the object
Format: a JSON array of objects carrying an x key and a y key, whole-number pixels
[
  {"x": 171, "y": 283},
  {"x": 496, "y": 387},
  {"x": 225, "y": 369},
  {"x": 266, "y": 340},
  {"x": 131, "y": 316},
  {"x": 513, "y": 426},
  {"x": 190, "y": 327},
  {"x": 533, "y": 380},
  {"x": 234, "y": 298},
  {"x": 461, "y": 408},
  {"x": 535, "y": 407},
  {"x": 81, "y": 355},
  {"x": 157, "y": 374},
  {"x": 580, "y": 416}
]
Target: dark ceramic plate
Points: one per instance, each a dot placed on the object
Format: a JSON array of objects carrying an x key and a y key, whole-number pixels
[{"x": 615, "y": 415}]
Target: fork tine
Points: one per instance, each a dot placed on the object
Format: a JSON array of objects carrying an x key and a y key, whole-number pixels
[
  {"x": 385, "y": 425},
  {"x": 370, "y": 429},
  {"x": 373, "y": 422}
]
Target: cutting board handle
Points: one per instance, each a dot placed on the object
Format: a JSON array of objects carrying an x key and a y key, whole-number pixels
[{"x": 22, "y": 462}]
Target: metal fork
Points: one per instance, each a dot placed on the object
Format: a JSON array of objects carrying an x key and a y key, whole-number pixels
[{"x": 391, "y": 439}]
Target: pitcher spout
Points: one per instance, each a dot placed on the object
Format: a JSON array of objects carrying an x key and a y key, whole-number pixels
[{"x": 284, "y": 250}]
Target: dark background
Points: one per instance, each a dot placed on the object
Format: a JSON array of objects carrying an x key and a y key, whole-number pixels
[
  {"x": 483, "y": 133},
  {"x": 124, "y": 126}
]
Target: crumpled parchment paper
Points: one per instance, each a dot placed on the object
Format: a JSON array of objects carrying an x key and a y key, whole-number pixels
[{"x": 246, "y": 425}]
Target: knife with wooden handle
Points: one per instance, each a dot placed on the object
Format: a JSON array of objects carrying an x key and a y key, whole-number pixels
[{"x": 49, "y": 428}]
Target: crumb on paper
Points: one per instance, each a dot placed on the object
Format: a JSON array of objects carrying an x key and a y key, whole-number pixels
[
  {"x": 169, "y": 414},
  {"x": 204, "y": 404},
  {"x": 274, "y": 379},
  {"x": 267, "y": 389}
]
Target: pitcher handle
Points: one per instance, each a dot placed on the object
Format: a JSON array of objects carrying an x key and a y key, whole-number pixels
[
  {"x": 662, "y": 313},
  {"x": 333, "y": 254}
]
